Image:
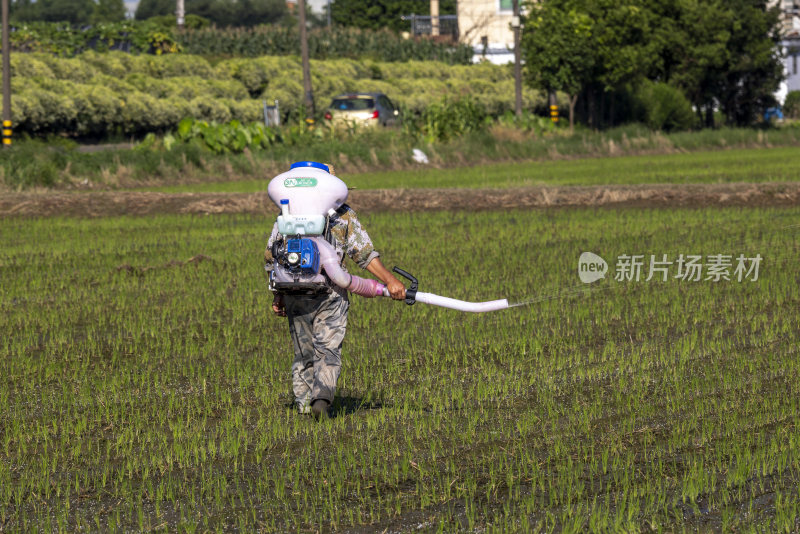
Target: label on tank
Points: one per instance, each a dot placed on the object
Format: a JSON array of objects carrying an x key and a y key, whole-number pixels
[{"x": 300, "y": 182}]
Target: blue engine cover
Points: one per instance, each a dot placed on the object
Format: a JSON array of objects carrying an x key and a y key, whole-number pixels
[{"x": 309, "y": 254}]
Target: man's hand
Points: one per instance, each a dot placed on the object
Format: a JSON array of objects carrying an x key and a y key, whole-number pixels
[
  {"x": 278, "y": 307},
  {"x": 396, "y": 288}
]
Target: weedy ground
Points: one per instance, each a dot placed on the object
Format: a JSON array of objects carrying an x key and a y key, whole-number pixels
[
  {"x": 144, "y": 385},
  {"x": 57, "y": 164}
]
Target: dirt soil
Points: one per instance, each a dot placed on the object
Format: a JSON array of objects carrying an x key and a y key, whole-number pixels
[{"x": 101, "y": 204}]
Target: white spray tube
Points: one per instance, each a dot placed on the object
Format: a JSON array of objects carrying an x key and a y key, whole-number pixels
[
  {"x": 366, "y": 287},
  {"x": 460, "y": 305}
]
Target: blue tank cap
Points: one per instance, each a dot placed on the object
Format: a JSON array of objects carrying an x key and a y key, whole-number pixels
[
  {"x": 313, "y": 164},
  {"x": 284, "y": 201}
]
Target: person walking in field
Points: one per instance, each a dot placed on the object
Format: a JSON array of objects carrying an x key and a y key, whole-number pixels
[{"x": 317, "y": 315}]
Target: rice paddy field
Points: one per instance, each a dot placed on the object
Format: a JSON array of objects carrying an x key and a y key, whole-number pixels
[
  {"x": 144, "y": 383},
  {"x": 753, "y": 165}
]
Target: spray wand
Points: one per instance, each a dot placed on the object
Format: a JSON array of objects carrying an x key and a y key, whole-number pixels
[{"x": 413, "y": 295}]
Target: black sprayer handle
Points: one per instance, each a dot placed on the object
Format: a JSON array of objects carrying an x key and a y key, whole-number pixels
[{"x": 411, "y": 292}]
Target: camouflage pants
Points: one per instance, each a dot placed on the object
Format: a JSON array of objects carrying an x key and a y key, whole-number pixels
[{"x": 317, "y": 325}]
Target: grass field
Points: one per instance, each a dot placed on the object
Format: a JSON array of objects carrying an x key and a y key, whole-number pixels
[
  {"x": 723, "y": 166},
  {"x": 140, "y": 391}
]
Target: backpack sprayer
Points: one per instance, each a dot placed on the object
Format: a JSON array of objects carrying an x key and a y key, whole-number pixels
[{"x": 307, "y": 195}]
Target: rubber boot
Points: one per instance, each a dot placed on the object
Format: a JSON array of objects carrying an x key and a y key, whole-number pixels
[{"x": 320, "y": 408}]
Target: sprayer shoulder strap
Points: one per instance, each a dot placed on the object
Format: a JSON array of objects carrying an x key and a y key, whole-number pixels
[
  {"x": 336, "y": 220},
  {"x": 328, "y": 236}
]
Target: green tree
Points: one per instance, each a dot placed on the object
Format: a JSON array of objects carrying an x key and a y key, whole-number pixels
[
  {"x": 693, "y": 50},
  {"x": 754, "y": 70},
  {"x": 219, "y": 12},
  {"x": 558, "y": 51},
  {"x": 241, "y": 13},
  {"x": 721, "y": 53},
  {"x": 601, "y": 45},
  {"x": 624, "y": 52},
  {"x": 154, "y": 8},
  {"x": 621, "y": 39},
  {"x": 791, "y": 106},
  {"x": 108, "y": 11},
  {"x": 72, "y": 11},
  {"x": 24, "y": 11},
  {"x": 380, "y": 14}
]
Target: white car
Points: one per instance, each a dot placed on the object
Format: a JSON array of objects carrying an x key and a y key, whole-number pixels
[{"x": 362, "y": 109}]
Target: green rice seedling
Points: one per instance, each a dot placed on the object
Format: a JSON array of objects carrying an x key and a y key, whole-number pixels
[{"x": 140, "y": 391}]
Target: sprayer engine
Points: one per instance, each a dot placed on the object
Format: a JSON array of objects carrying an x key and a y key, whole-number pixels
[
  {"x": 300, "y": 256},
  {"x": 297, "y": 266}
]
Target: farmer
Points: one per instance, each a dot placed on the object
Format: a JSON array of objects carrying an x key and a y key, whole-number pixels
[{"x": 317, "y": 322}]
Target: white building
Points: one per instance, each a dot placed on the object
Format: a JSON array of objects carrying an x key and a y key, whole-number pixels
[
  {"x": 486, "y": 26},
  {"x": 790, "y": 46}
]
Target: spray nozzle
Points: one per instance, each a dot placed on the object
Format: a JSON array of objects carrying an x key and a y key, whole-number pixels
[{"x": 411, "y": 292}]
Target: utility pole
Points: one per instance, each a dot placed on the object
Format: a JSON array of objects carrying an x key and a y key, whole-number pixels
[
  {"x": 6, "y": 78},
  {"x": 515, "y": 25},
  {"x": 553, "y": 101},
  {"x": 180, "y": 14},
  {"x": 434, "y": 18},
  {"x": 308, "y": 95}
]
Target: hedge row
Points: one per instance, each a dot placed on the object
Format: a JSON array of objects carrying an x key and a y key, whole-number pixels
[
  {"x": 156, "y": 38},
  {"x": 63, "y": 39},
  {"x": 96, "y": 94}
]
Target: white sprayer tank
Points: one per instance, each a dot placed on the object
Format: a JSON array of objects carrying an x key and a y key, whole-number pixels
[{"x": 306, "y": 194}]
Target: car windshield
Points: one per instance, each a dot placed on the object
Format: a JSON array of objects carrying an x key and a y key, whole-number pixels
[{"x": 353, "y": 104}]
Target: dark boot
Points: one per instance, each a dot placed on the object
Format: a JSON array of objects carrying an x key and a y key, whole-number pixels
[{"x": 320, "y": 408}]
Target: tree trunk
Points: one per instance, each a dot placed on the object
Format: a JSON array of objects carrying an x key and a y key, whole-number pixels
[
  {"x": 601, "y": 113},
  {"x": 710, "y": 116},
  {"x": 573, "y": 99},
  {"x": 612, "y": 109},
  {"x": 308, "y": 95}
]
